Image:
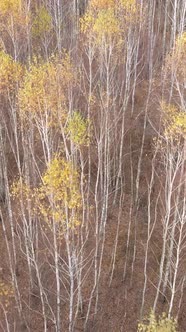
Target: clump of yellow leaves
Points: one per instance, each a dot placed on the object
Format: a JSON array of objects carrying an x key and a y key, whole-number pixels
[
  {"x": 37, "y": 94},
  {"x": 176, "y": 60},
  {"x": 174, "y": 121},
  {"x": 102, "y": 26},
  {"x": 57, "y": 200},
  {"x": 77, "y": 129},
  {"x": 107, "y": 19},
  {"x": 161, "y": 324},
  {"x": 61, "y": 181},
  {"x": 128, "y": 12},
  {"x": 10, "y": 7},
  {"x": 24, "y": 195},
  {"x": 11, "y": 72},
  {"x": 6, "y": 292},
  {"x": 100, "y": 21},
  {"x": 12, "y": 11},
  {"x": 21, "y": 190},
  {"x": 180, "y": 46},
  {"x": 87, "y": 23},
  {"x": 42, "y": 22},
  {"x": 106, "y": 25},
  {"x": 44, "y": 88},
  {"x": 102, "y": 4},
  {"x": 129, "y": 5},
  {"x": 61, "y": 190}
]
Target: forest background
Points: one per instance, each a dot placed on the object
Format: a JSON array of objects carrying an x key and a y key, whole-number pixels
[{"x": 92, "y": 164}]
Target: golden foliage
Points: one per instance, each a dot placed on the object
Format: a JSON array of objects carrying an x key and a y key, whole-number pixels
[
  {"x": 129, "y": 5},
  {"x": 61, "y": 189},
  {"x": 61, "y": 181},
  {"x": 108, "y": 19},
  {"x": 57, "y": 200},
  {"x": 6, "y": 293},
  {"x": 180, "y": 46},
  {"x": 87, "y": 23},
  {"x": 130, "y": 11},
  {"x": 106, "y": 25},
  {"x": 174, "y": 121},
  {"x": 11, "y": 72},
  {"x": 77, "y": 129},
  {"x": 10, "y": 7},
  {"x": 20, "y": 189},
  {"x": 24, "y": 196},
  {"x": 176, "y": 60},
  {"x": 102, "y": 4},
  {"x": 12, "y": 11},
  {"x": 44, "y": 89},
  {"x": 42, "y": 22},
  {"x": 160, "y": 324}
]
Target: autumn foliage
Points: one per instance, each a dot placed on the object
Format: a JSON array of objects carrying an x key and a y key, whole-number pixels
[{"x": 92, "y": 165}]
